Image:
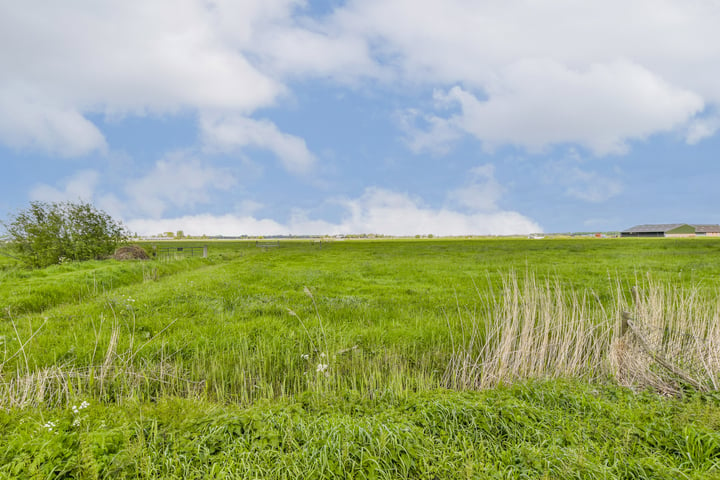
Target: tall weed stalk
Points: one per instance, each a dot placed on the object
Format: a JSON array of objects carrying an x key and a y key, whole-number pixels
[{"x": 662, "y": 337}]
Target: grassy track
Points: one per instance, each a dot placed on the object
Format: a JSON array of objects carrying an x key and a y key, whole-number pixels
[{"x": 336, "y": 361}]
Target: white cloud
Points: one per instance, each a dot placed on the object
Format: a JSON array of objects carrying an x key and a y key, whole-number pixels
[
  {"x": 314, "y": 50},
  {"x": 376, "y": 211},
  {"x": 176, "y": 181},
  {"x": 116, "y": 57},
  {"x": 539, "y": 103},
  {"x": 30, "y": 124},
  {"x": 527, "y": 73},
  {"x": 78, "y": 187},
  {"x": 206, "y": 224},
  {"x": 248, "y": 207},
  {"x": 591, "y": 186},
  {"x": 229, "y": 133},
  {"x": 702, "y": 128},
  {"x": 459, "y": 40},
  {"x": 435, "y": 135},
  {"x": 586, "y": 185},
  {"x": 597, "y": 74},
  {"x": 383, "y": 211},
  {"x": 482, "y": 191}
]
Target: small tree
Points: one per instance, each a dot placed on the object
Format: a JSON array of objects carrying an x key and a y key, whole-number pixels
[{"x": 46, "y": 233}]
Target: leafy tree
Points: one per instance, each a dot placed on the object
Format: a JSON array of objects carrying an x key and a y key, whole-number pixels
[{"x": 48, "y": 233}]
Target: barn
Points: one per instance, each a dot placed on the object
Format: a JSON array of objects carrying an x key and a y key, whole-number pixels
[
  {"x": 707, "y": 230},
  {"x": 672, "y": 230}
]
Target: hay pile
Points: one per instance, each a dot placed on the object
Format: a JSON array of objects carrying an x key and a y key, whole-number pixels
[{"x": 130, "y": 252}]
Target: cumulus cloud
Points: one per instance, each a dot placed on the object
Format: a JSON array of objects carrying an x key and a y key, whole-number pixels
[
  {"x": 526, "y": 73},
  {"x": 375, "y": 211},
  {"x": 384, "y": 211},
  {"x": 27, "y": 123},
  {"x": 77, "y": 187},
  {"x": 314, "y": 50},
  {"x": 207, "y": 224},
  {"x": 176, "y": 181},
  {"x": 482, "y": 191},
  {"x": 582, "y": 184},
  {"x": 702, "y": 128},
  {"x": 62, "y": 62},
  {"x": 534, "y": 74},
  {"x": 425, "y": 132},
  {"x": 540, "y": 102},
  {"x": 228, "y": 133}
]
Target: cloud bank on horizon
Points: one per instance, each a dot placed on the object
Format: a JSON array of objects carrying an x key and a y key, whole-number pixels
[{"x": 365, "y": 116}]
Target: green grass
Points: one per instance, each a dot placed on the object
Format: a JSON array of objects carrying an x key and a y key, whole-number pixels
[
  {"x": 536, "y": 430},
  {"x": 180, "y": 359}
]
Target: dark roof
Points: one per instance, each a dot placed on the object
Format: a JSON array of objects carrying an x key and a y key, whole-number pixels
[
  {"x": 658, "y": 227},
  {"x": 666, "y": 227},
  {"x": 707, "y": 228}
]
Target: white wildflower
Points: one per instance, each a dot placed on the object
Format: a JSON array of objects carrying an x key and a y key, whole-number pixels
[
  {"x": 321, "y": 367},
  {"x": 305, "y": 356},
  {"x": 82, "y": 406},
  {"x": 323, "y": 355},
  {"x": 76, "y": 409}
]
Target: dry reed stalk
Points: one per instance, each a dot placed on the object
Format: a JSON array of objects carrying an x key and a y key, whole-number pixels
[
  {"x": 58, "y": 385},
  {"x": 544, "y": 330},
  {"x": 673, "y": 340}
]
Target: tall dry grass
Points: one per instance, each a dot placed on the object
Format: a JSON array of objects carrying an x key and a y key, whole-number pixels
[
  {"x": 114, "y": 377},
  {"x": 662, "y": 337},
  {"x": 671, "y": 339}
]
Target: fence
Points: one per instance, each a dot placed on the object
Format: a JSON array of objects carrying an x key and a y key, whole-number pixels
[{"x": 171, "y": 253}]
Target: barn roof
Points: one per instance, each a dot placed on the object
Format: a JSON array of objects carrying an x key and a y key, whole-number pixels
[
  {"x": 707, "y": 228},
  {"x": 666, "y": 227},
  {"x": 654, "y": 227}
]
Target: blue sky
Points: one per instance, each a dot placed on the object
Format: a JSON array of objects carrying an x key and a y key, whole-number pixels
[{"x": 398, "y": 117}]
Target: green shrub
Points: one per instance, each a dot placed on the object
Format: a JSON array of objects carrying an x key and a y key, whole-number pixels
[{"x": 51, "y": 233}]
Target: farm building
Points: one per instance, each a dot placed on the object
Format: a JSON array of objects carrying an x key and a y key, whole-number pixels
[
  {"x": 672, "y": 230},
  {"x": 707, "y": 230}
]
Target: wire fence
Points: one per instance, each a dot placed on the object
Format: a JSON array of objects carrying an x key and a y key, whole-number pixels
[{"x": 172, "y": 253}]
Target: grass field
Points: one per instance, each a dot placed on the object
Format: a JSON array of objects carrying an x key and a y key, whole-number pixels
[{"x": 367, "y": 359}]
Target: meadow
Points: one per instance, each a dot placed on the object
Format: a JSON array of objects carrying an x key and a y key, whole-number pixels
[{"x": 492, "y": 358}]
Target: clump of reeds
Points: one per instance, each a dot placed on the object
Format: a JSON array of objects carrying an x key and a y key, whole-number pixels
[
  {"x": 670, "y": 340},
  {"x": 533, "y": 330},
  {"x": 661, "y": 337}
]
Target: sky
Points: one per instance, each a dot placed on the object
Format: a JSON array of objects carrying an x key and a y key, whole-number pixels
[{"x": 395, "y": 117}]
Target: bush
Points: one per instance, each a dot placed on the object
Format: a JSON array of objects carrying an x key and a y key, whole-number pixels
[{"x": 50, "y": 233}]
